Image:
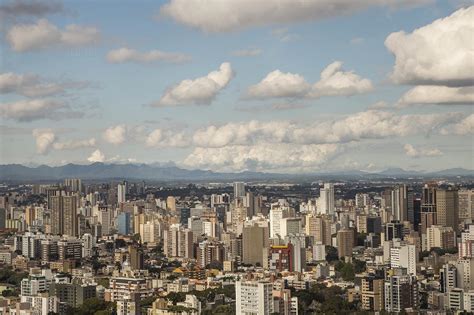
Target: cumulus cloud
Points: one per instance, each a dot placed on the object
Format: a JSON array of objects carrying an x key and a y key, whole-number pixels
[
  {"x": 411, "y": 151},
  {"x": 247, "y": 52},
  {"x": 461, "y": 128},
  {"x": 371, "y": 124},
  {"x": 199, "y": 91},
  {"x": 125, "y": 54},
  {"x": 267, "y": 157},
  {"x": 279, "y": 84},
  {"x": 35, "y": 109},
  {"x": 231, "y": 15},
  {"x": 96, "y": 156},
  {"x": 44, "y": 140},
  {"x": 36, "y": 8},
  {"x": 43, "y": 34},
  {"x": 166, "y": 138},
  {"x": 437, "y": 95},
  {"x": 334, "y": 82},
  {"x": 440, "y": 53},
  {"x": 115, "y": 134},
  {"x": 74, "y": 144}
]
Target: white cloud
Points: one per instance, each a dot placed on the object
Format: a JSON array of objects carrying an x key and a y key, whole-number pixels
[
  {"x": 231, "y": 15},
  {"x": 31, "y": 85},
  {"x": 440, "y": 53},
  {"x": 438, "y": 95},
  {"x": 265, "y": 157},
  {"x": 199, "y": 91},
  {"x": 115, "y": 134},
  {"x": 334, "y": 82},
  {"x": 411, "y": 151},
  {"x": 44, "y": 140},
  {"x": 371, "y": 124},
  {"x": 463, "y": 127},
  {"x": 74, "y": 144},
  {"x": 125, "y": 54},
  {"x": 35, "y": 109},
  {"x": 279, "y": 84},
  {"x": 166, "y": 138},
  {"x": 247, "y": 52},
  {"x": 96, "y": 156},
  {"x": 27, "y": 85},
  {"x": 43, "y": 34}
]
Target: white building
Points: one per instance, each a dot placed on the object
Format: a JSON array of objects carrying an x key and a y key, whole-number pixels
[
  {"x": 326, "y": 203},
  {"x": 403, "y": 256},
  {"x": 121, "y": 193},
  {"x": 239, "y": 190},
  {"x": 252, "y": 297},
  {"x": 319, "y": 252},
  {"x": 278, "y": 211}
]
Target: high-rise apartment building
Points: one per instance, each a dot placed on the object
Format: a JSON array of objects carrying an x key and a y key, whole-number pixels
[
  {"x": 178, "y": 242},
  {"x": 372, "y": 295},
  {"x": 121, "y": 193},
  {"x": 73, "y": 185},
  {"x": 400, "y": 290},
  {"x": 239, "y": 190},
  {"x": 255, "y": 239},
  {"x": 326, "y": 203},
  {"x": 345, "y": 242},
  {"x": 64, "y": 215},
  {"x": 447, "y": 208},
  {"x": 253, "y": 298},
  {"x": 428, "y": 207}
]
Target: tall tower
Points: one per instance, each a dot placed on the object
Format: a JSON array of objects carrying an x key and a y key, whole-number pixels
[
  {"x": 428, "y": 207},
  {"x": 121, "y": 193},
  {"x": 326, "y": 204},
  {"x": 239, "y": 190},
  {"x": 447, "y": 204},
  {"x": 64, "y": 215}
]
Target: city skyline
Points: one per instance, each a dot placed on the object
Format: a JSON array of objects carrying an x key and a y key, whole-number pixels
[{"x": 307, "y": 87}]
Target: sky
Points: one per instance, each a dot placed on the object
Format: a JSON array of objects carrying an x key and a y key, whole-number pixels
[{"x": 291, "y": 86}]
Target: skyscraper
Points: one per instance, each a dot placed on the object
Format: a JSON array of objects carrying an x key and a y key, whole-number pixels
[
  {"x": 401, "y": 290},
  {"x": 447, "y": 204},
  {"x": 254, "y": 240},
  {"x": 121, "y": 193},
  {"x": 345, "y": 242},
  {"x": 73, "y": 184},
  {"x": 428, "y": 207},
  {"x": 326, "y": 204},
  {"x": 239, "y": 190},
  {"x": 64, "y": 215},
  {"x": 253, "y": 297}
]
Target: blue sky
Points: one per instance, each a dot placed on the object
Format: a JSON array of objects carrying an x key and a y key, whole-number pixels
[{"x": 297, "y": 125}]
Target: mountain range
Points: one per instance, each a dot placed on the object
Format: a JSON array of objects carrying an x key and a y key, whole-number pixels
[{"x": 98, "y": 171}]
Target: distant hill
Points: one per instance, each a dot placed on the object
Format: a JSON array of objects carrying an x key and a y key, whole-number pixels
[{"x": 97, "y": 171}]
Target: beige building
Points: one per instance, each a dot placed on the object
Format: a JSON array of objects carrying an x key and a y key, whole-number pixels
[
  {"x": 255, "y": 239},
  {"x": 447, "y": 208},
  {"x": 372, "y": 293},
  {"x": 345, "y": 242}
]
